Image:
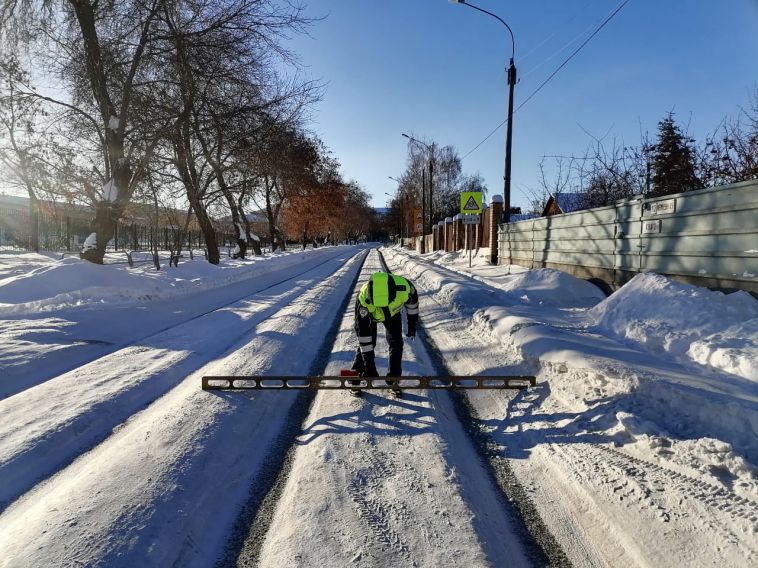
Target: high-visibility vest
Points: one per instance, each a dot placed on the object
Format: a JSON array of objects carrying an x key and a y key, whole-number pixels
[{"x": 380, "y": 300}]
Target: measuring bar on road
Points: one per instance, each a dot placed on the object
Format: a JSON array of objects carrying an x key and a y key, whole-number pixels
[{"x": 258, "y": 382}]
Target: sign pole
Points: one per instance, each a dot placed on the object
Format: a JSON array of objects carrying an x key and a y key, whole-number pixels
[
  {"x": 471, "y": 209},
  {"x": 469, "y": 251}
]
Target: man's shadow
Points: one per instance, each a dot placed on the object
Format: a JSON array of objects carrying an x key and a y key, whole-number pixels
[{"x": 378, "y": 416}]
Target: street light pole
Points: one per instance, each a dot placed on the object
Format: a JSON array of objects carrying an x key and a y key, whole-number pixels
[
  {"x": 402, "y": 208},
  {"x": 400, "y": 223},
  {"x": 430, "y": 149},
  {"x": 509, "y": 119},
  {"x": 508, "y": 142}
]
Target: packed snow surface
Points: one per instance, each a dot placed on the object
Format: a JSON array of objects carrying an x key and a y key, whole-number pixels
[
  {"x": 54, "y": 284},
  {"x": 637, "y": 446}
]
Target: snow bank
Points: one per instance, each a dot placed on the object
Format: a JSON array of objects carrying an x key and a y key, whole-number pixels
[
  {"x": 17, "y": 263},
  {"x": 664, "y": 316},
  {"x": 70, "y": 277},
  {"x": 549, "y": 286},
  {"x": 587, "y": 368},
  {"x": 47, "y": 284},
  {"x": 543, "y": 286}
]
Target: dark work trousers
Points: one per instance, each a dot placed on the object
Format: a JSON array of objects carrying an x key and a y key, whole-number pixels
[{"x": 394, "y": 331}]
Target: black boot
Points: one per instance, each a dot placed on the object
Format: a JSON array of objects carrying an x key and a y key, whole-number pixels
[{"x": 394, "y": 385}]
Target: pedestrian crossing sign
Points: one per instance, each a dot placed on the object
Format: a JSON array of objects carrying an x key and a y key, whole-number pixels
[{"x": 471, "y": 203}]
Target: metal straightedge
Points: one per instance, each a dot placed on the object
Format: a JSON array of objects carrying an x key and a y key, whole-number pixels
[{"x": 274, "y": 383}]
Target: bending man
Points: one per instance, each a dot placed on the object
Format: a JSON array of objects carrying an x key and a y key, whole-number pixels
[{"x": 382, "y": 299}]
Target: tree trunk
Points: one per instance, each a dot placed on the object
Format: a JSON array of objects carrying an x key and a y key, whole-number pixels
[
  {"x": 305, "y": 235},
  {"x": 104, "y": 227},
  {"x": 206, "y": 226},
  {"x": 270, "y": 216},
  {"x": 236, "y": 220},
  {"x": 181, "y": 234},
  {"x": 256, "y": 247},
  {"x": 34, "y": 220},
  {"x": 255, "y": 243}
]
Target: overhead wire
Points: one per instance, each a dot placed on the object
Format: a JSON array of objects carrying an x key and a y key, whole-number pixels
[
  {"x": 553, "y": 74},
  {"x": 567, "y": 45},
  {"x": 554, "y": 33}
]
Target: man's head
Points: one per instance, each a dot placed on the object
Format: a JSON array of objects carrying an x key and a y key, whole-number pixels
[{"x": 381, "y": 289}]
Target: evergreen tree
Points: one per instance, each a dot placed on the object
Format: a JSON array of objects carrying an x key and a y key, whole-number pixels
[{"x": 673, "y": 162}]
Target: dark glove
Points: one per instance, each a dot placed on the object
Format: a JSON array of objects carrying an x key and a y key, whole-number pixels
[{"x": 411, "y": 331}]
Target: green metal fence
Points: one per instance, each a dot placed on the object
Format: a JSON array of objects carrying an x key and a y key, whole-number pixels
[
  {"x": 22, "y": 231},
  {"x": 707, "y": 237}
]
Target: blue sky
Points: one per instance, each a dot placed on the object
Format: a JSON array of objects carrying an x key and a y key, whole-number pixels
[{"x": 437, "y": 70}]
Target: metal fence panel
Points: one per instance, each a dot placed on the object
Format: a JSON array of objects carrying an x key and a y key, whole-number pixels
[{"x": 709, "y": 237}]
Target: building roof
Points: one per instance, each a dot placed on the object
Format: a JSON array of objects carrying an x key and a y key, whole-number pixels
[
  {"x": 566, "y": 203},
  {"x": 522, "y": 217},
  {"x": 13, "y": 200}
]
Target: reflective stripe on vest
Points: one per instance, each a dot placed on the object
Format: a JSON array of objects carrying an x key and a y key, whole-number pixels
[{"x": 403, "y": 291}]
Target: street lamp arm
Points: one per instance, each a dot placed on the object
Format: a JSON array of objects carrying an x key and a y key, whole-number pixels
[
  {"x": 502, "y": 21},
  {"x": 511, "y": 72},
  {"x": 412, "y": 139}
]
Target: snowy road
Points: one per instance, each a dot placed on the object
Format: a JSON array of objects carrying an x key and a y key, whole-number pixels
[
  {"x": 618, "y": 457},
  {"x": 378, "y": 481},
  {"x": 166, "y": 484}
]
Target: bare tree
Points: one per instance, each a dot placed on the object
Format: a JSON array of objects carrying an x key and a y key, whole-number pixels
[
  {"x": 33, "y": 151},
  {"x": 101, "y": 50},
  {"x": 551, "y": 184},
  {"x": 730, "y": 154},
  {"x": 605, "y": 174}
]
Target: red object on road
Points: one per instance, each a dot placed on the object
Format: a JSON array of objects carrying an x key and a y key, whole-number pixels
[{"x": 348, "y": 373}]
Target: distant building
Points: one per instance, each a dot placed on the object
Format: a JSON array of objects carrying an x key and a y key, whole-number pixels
[
  {"x": 517, "y": 215},
  {"x": 258, "y": 223},
  {"x": 563, "y": 203}
]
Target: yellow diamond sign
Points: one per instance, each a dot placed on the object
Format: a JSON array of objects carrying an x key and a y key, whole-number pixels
[{"x": 471, "y": 203}]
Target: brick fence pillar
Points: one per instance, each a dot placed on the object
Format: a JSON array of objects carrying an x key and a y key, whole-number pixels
[
  {"x": 454, "y": 240},
  {"x": 479, "y": 229},
  {"x": 458, "y": 232},
  {"x": 496, "y": 213},
  {"x": 448, "y": 234}
]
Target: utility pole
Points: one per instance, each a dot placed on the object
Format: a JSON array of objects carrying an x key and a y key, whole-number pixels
[
  {"x": 431, "y": 183},
  {"x": 508, "y": 141},
  {"x": 423, "y": 210}
]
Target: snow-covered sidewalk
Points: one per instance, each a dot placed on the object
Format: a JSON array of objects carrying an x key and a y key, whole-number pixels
[
  {"x": 56, "y": 315},
  {"x": 631, "y": 456}
]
